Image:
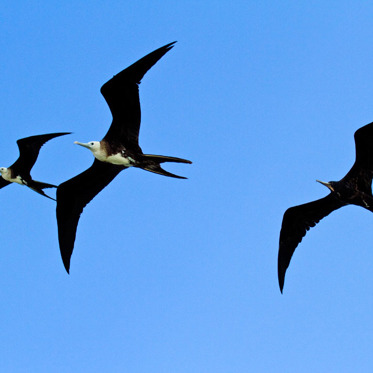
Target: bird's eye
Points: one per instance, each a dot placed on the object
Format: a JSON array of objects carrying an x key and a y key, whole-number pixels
[{"x": 92, "y": 143}]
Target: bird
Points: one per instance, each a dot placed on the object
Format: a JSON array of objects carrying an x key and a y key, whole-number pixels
[
  {"x": 354, "y": 188},
  {"x": 117, "y": 151},
  {"x": 19, "y": 171}
]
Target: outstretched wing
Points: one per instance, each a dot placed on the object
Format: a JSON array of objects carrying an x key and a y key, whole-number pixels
[
  {"x": 296, "y": 222},
  {"x": 29, "y": 148},
  {"x": 122, "y": 95},
  {"x": 73, "y": 195},
  {"x": 362, "y": 169}
]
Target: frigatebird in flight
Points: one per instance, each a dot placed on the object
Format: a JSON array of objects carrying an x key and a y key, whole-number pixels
[
  {"x": 117, "y": 151},
  {"x": 19, "y": 171},
  {"x": 355, "y": 188}
]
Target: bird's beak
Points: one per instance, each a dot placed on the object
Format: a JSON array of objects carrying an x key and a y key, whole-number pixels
[
  {"x": 86, "y": 145},
  {"x": 326, "y": 184}
]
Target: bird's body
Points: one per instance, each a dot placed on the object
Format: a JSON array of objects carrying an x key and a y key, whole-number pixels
[
  {"x": 117, "y": 151},
  {"x": 9, "y": 175},
  {"x": 119, "y": 159},
  {"x": 103, "y": 152},
  {"x": 355, "y": 188},
  {"x": 347, "y": 192},
  {"x": 19, "y": 172}
]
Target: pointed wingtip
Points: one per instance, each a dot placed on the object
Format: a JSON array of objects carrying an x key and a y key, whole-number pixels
[
  {"x": 167, "y": 47},
  {"x": 171, "y": 45},
  {"x": 281, "y": 285},
  {"x": 281, "y": 279},
  {"x": 66, "y": 265},
  {"x": 57, "y": 134}
]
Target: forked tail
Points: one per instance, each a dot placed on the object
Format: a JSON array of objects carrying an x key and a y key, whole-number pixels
[
  {"x": 38, "y": 186},
  {"x": 152, "y": 162},
  {"x": 164, "y": 158},
  {"x": 42, "y": 185}
]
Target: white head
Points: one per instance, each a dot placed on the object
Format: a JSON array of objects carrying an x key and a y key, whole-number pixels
[
  {"x": 3, "y": 169},
  {"x": 93, "y": 146}
]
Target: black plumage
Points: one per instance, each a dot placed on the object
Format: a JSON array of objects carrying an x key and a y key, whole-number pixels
[
  {"x": 19, "y": 171},
  {"x": 122, "y": 96},
  {"x": 355, "y": 188}
]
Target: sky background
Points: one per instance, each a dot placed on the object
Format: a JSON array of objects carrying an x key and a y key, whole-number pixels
[{"x": 175, "y": 275}]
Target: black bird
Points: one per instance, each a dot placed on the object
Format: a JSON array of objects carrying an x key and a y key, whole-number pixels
[
  {"x": 117, "y": 151},
  {"x": 355, "y": 188},
  {"x": 19, "y": 171}
]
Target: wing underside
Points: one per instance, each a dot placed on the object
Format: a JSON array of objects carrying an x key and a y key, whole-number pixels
[
  {"x": 29, "y": 148},
  {"x": 296, "y": 222},
  {"x": 122, "y": 95},
  {"x": 73, "y": 195}
]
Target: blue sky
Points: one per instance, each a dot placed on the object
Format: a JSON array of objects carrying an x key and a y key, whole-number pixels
[{"x": 181, "y": 275}]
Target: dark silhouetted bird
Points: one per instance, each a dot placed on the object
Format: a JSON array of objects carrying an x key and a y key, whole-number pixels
[
  {"x": 117, "y": 151},
  {"x": 355, "y": 188},
  {"x": 19, "y": 171}
]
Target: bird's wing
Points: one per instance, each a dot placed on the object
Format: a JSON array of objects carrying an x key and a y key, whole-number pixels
[
  {"x": 29, "y": 148},
  {"x": 122, "y": 95},
  {"x": 362, "y": 169},
  {"x": 364, "y": 146},
  {"x": 73, "y": 195},
  {"x": 296, "y": 222},
  {"x": 3, "y": 182}
]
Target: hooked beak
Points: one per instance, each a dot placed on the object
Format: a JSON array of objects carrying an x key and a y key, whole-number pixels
[
  {"x": 86, "y": 145},
  {"x": 326, "y": 184}
]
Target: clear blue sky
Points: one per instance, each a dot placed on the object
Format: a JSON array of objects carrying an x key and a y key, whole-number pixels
[{"x": 181, "y": 275}]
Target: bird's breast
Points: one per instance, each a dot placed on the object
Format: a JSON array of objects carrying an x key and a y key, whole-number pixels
[
  {"x": 7, "y": 175},
  {"x": 118, "y": 159}
]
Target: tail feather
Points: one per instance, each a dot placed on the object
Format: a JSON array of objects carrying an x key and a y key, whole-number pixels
[
  {"x": 157, "y": 169},
  {"x": 40, "y": 191},
  {"x": 151, "y": 163},
  {"x": 38, "y": 186},
  {"x": 41, "y": 185},
  {"x": 164, "y": 158}
]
